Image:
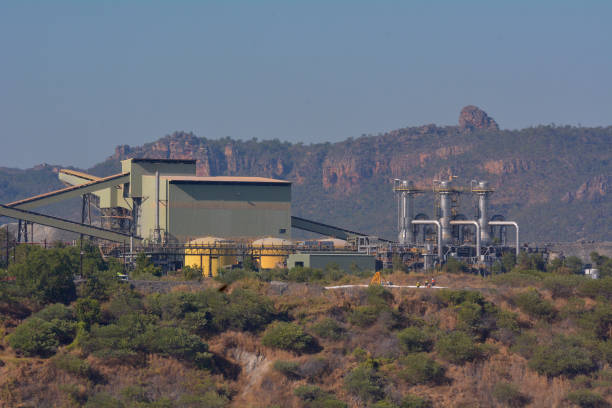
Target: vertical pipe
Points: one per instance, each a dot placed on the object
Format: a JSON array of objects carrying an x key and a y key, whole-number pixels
[
  {"x": 7, "y": 245},
  {"x": 403, "y": 218},
  {"x": 516, "y": 227},
  {"x": 410, "y": 216},
  {"x": 157, "y": 234},
  {"x": 445, "y": 208}
]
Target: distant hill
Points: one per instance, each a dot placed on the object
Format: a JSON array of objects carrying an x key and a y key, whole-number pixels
[{"x": 555, "y": 181}]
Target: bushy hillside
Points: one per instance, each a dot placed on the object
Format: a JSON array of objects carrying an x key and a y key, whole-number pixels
[
  {"x": 538, "y": 336},
  {"x": 555, "y": 181}
]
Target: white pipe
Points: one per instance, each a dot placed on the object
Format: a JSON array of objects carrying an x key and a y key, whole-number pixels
[
  {"x": 475, "y": 223},
  {"x": 512, "y": 224},
  {"x": 157, "y": 232},
  {"x": 437, "y": 224}
]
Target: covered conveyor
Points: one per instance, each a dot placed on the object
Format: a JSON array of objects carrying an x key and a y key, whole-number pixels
[
  {"x": 325, "y": 229},
  {"x": 66, "y": 225},
  {"x": 70, "y": 192}
]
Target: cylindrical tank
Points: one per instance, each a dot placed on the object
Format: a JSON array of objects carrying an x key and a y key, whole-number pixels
[
  {"x": 445, "y": 208},
  {"x": 209, "y": 254},
  {"x": 271, "y": 252}
]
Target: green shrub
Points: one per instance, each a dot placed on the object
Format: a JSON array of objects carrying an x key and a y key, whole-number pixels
[
  {"x": 532, "y": 303},
  {"x": 328, "y": 329},
  {"x": 414, "y": 339},
  {"x": 458, "y": 348},
  {"x": 605, "y": 348},
  {"x": 414, "y": 401},
  {"x": 229, "y": 276},
  {"x": 455, "y": 266},
  {"x": 243, "y": 309},
  {"x": 102, "y": 284},
  {"x": 174, "y": 342},
  {"x": 562, "y": 286},
  {"x": 595, "y": 288},
  {"x": 525, "y": 344},
  {"x": 420, "y": 369},
  {"x": 136, "y": 334},
  {"x": 508, "y": 395},
  {"x": 57, "y": 311},
  {"x": 290, "y": 369},
  {"x": 103, "y": 400},
  {"x": 364, "y": 316},
  {"x": 34, "y": 337},
  {"x": 598, "y": 320},
  {"x": 587, "y": 399},
  {"x": 75, "y": 366},
  {"x": 456, "y": 297},
  {"x": 144, "y": 268},
  {"x": 366, "y": 383},
  {"x": 46, "y": 275},
  {"x": 288, "y": 336},
  {"x": 384, "y": 404},
  {"x": 518, "y": 278},
  {"x": 314, "y": 397},
  {"x": 88, "y": 310},
  {"x": 565, "y": 356},
  {"x": 190, "y": 273},
  {"x": 378, "y": 296},
  {"x": 62, "y": 321}
]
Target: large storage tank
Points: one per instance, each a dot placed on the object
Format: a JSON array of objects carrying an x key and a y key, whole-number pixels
[
  {"x": 209, "y": 254},
  {"x": 271, "y": 252}
]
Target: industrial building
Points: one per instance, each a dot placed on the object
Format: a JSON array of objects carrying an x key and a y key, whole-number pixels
[
  {"x": 346, "y": 261},
  {"x": 162, "y": 207}
]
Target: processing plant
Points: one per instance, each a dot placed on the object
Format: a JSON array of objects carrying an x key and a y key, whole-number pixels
[{"x": 163, "y": 208}]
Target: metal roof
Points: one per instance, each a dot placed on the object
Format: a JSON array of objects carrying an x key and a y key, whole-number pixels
[
  {"x": 145, "y": 160},
  {"x": 223, "y": 180}
]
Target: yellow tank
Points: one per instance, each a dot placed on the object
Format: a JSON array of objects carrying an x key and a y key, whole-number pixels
[
  {"x": 209, "y": 254},
  {"x": 271, "y": 252}
]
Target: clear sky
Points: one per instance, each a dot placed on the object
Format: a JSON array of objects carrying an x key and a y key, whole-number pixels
[{"x": 79, "y": 77}]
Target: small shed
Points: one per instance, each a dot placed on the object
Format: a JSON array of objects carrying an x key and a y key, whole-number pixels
[{"x": 348, "y": 262}]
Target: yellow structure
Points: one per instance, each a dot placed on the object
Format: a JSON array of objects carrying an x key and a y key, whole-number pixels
[
  {"x": 271, "y": 252},
  {"x": 209, "y": 254}
]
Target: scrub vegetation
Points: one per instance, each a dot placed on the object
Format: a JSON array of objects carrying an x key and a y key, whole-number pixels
[{"x": 537, "y": 335}]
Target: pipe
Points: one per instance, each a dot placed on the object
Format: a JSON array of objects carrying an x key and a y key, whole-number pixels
[
  {"x": 157, "y": 232},
  {"x": 437, "y": 223},
  {"x": 475, "y": 223},
  {"x": 512, "y": 224},
  {"x": 411, "y": 238},
  {"x": 483, "y": 207}
]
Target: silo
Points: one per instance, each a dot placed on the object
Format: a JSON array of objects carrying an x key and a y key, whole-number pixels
[
  {"x": 271, "y": 252},
  {"x": 209, "y": 254}
]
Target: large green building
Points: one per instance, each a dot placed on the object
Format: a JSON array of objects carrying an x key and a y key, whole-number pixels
[{"x": 166, "y": 202}]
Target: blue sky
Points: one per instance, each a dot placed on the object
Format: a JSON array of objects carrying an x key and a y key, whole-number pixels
[{"x": 78, "y": 78}]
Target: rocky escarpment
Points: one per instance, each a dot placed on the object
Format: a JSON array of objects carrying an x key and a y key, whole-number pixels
[{"x": 594, "y": 189}]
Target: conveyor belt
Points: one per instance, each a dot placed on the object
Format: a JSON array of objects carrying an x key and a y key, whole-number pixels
[
  {"x": 325, "y": 229},
  {"x": 66, "y": 225},
  {"x": 69, "y": 192}
]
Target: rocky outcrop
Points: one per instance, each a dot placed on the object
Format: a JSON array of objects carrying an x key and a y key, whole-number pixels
[
  {"x": 471, "y": 117},
  {"x": 511, "y": 166},
  {"x": 594, "y": 189}
]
